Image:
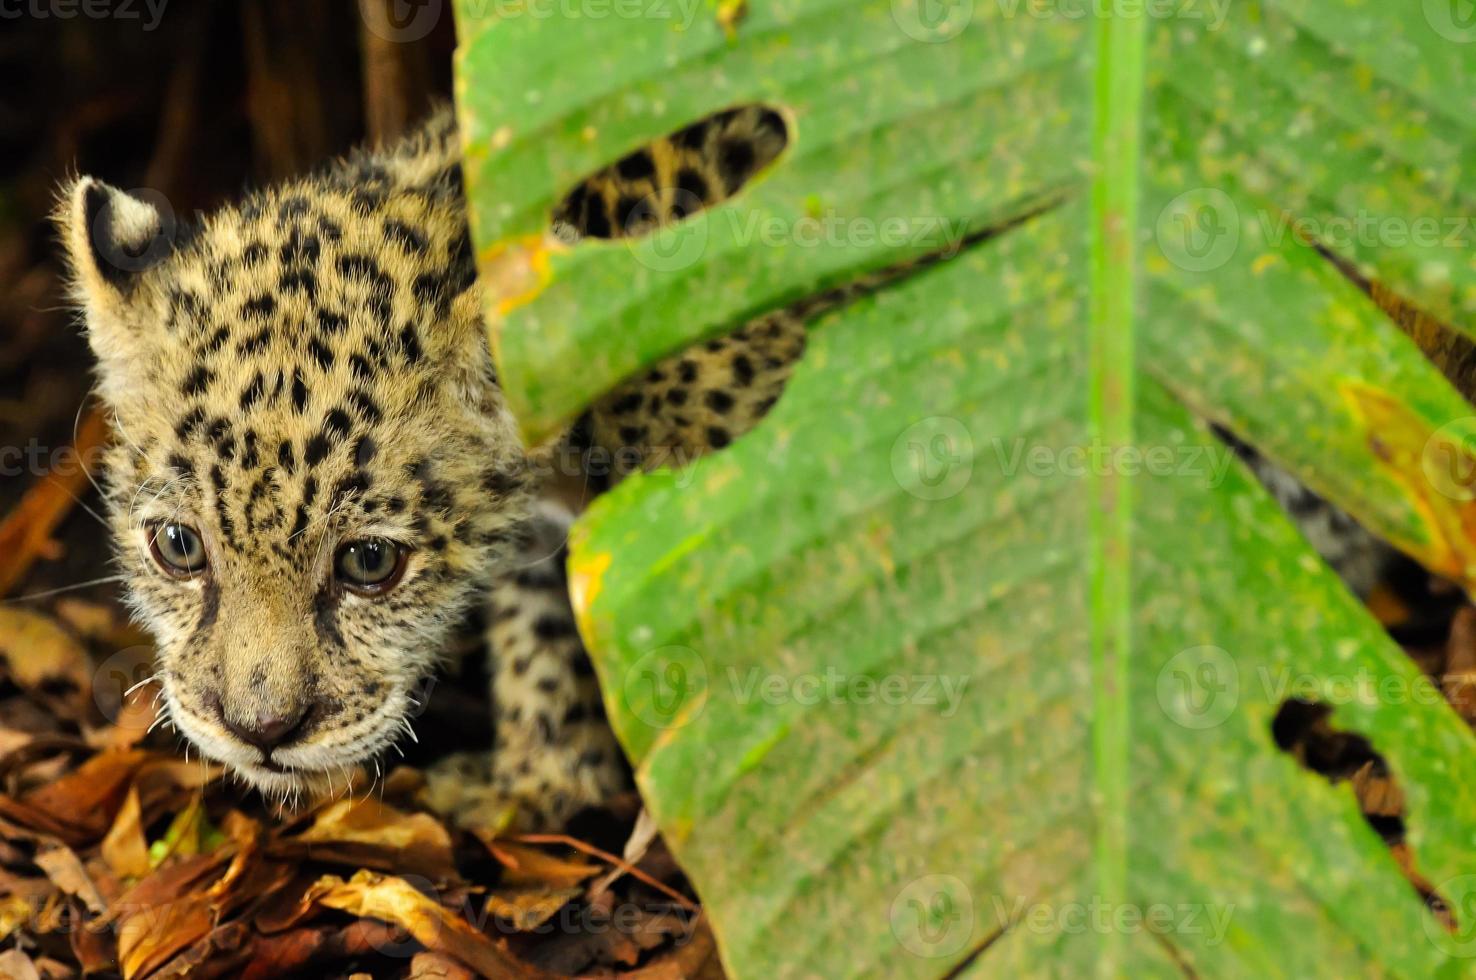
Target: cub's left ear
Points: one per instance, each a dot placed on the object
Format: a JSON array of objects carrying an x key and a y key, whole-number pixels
[{"x": 112, "y": 240}]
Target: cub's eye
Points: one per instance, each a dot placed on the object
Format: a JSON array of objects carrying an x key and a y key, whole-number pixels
[
  {"x": 177, "y": 548},
  {"x": 371, "y": 566}
]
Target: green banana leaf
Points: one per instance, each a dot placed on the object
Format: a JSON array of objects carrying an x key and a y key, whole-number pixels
[{"x": 964, "y": 661}]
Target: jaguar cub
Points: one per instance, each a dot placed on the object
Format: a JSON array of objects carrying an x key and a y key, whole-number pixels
[{"x": 315, "y": 473}]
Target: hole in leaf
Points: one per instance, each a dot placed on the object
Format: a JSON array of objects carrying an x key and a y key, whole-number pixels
[
  {"x": 1413, "y": 605},
  {"x": 1302, "y": 730},
  {"x": 717, "y": 390},
  {"x": 674, "y": 177}
]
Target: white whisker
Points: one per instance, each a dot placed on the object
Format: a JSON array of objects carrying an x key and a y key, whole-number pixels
[
  {"x": 140, "y": 684},
  {"x": 67, "y": 588}
]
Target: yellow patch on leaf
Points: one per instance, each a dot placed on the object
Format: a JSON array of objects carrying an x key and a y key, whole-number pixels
[
  {"x": 515, "y": 272},
  {"x": 1436, "y": 468}
]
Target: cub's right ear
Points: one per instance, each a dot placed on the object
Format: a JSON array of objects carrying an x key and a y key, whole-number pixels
[{"x": 112, "y": 240}]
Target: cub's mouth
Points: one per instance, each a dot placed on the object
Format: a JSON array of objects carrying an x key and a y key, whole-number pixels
[{"x": 299, "y": 771}]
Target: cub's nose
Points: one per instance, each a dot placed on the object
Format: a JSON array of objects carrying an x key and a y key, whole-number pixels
[{"x": 267, "y": 729}]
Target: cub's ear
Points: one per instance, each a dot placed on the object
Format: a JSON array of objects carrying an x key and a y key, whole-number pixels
[{"x": 112, "y": 240}]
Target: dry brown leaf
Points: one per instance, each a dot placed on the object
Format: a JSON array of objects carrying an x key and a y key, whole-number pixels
[
  {"x": 393, "y": 900},
  {"x": 150, "y": 936},
  {"x": 15, "y": 911},
  {"x": 436, "y": 966},
  {"x": 292, "y": 953},
  {"x": 524, "y": 910},
  {"x": 93, "y": 946},
  {"x": 66, "y": 871},
  {"x": 611, "y": 934},
  {"x": 367, "y": 833},
  {"x": 125, "y": 848},
  {"x": 630, "y": 869},
  {"x": 12, "y": 739},
  {"x": 170, "y": 910},
  {"x": 45, "y": 661},
  {"x": 15, "y": 965},
  {"x": 184, "y": 877},
  {"x": 220, "y": 953},
  {"x": 85, "y": 802},
  {"x": 525, "y": 865},
  {"x": 695, "y": 959}
]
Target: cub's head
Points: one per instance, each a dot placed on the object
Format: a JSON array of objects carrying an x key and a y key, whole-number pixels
[{"x": 313, "y": 469}]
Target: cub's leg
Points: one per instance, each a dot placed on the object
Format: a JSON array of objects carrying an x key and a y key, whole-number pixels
[{"x": 553, "y": 752}]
